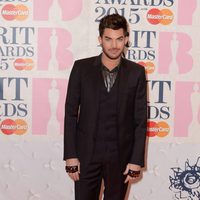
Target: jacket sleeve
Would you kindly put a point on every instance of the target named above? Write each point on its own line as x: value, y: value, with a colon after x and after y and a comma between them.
x: 71, y: 113
x: 140, y: 121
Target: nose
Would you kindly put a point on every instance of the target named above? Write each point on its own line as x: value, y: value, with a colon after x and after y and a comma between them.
x: 114, y: 43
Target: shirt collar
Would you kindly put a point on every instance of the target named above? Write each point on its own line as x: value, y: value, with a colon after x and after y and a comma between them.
x: 115, y: 69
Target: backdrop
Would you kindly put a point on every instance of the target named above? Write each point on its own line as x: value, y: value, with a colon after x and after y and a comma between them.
x: 39, y: 41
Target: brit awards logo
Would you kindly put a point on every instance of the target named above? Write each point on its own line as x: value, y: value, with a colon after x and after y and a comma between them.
x: 18, y: 50
x: 52, y: 100
x: 159, y: 110
x: 187, y: 101
x: 57, y: 55
x: 56, y: 10
x: 13, y: 108
x: 55, y: 60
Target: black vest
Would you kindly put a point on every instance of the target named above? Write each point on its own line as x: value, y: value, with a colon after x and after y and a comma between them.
x: 106, y: 135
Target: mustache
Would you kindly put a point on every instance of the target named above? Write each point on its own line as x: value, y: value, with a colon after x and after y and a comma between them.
x: 114, y: 49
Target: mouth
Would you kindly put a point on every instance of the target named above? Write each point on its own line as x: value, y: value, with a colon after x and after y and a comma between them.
x: 114, y: 51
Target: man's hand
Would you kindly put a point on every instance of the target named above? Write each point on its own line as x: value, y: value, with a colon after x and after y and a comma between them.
x: 73, y: 162
x: 131, y: 167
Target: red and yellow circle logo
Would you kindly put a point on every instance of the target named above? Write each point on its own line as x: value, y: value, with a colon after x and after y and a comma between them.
x: 160, y: 129
x: 18, y: 127
x: 149, y: 66
x: 15, y: 12
x: 23, y: 64
x: 156, y: 16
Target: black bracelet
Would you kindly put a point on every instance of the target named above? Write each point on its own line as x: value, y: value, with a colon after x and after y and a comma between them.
x: 133, y: 174
x: 71, y: 169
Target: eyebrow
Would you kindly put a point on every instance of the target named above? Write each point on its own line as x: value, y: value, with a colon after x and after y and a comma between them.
x: 112, y: 38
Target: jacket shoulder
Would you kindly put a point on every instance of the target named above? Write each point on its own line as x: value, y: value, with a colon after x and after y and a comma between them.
x: 86, y: 65
x: 87, y: 61
x: 133, y: 64
x: 135, y: 67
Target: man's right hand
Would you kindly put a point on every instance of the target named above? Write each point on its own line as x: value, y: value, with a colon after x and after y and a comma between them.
x: 73, y: 162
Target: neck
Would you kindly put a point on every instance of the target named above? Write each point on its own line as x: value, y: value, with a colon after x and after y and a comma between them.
x: 110, y: 63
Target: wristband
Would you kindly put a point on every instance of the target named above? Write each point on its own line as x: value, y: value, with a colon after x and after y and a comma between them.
x: 133, y: 174
x: 71, y: 169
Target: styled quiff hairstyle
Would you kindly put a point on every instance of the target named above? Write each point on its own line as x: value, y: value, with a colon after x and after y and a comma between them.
x: 113, y: 21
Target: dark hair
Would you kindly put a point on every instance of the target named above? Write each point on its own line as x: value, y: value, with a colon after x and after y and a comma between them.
x: 113, y: 21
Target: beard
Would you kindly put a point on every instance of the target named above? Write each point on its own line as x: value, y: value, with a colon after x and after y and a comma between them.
x: 113, y: 53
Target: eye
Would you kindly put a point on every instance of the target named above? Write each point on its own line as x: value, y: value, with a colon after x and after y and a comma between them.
x: 107, y: 39
x: 120, y: 39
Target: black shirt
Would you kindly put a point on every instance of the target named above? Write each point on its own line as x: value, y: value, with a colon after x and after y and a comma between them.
x: 109, y: 77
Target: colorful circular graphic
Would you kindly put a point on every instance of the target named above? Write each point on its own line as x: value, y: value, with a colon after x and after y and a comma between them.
x: 23, y: 64
x: 18, y: 127
x: 11, y: 12
x: 156, y: 16
x: 160, y: 129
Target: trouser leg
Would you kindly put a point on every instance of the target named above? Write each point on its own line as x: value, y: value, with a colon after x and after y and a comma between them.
x: 89, y: 185
x: 115, y: 189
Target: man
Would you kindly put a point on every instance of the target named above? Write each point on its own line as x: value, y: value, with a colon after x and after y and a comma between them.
x: 105, y: 117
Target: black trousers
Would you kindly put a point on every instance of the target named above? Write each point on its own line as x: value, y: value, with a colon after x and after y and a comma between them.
x: 105, y: 165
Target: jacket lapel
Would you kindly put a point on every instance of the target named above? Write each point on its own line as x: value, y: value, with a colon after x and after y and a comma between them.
x: 96, y: 75
x: 123, y: 82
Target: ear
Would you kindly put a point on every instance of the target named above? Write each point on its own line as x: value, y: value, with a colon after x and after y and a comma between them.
x: 126, y: 39
x: 100, y: 40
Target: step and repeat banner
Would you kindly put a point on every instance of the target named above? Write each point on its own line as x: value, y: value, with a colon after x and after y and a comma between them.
x: 39, y: 42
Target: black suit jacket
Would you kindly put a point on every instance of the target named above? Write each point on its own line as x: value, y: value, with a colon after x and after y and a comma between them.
x: 81, y: 111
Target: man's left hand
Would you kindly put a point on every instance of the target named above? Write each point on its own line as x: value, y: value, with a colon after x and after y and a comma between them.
x: 131, y: 167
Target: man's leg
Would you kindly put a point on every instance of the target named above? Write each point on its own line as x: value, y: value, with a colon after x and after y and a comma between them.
x: 115, y: 189
x: 89, y: 185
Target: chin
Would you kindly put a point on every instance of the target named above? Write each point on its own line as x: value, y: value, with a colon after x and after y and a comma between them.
x: 114, y: 57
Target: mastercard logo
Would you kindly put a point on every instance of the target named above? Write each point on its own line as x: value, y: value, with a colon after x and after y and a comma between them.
x: 15, y: 12
x: 149, y: 66
x: 23, y: 64
x: 17, y: 127
x: 160, y: 129
x: 156, y: 16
